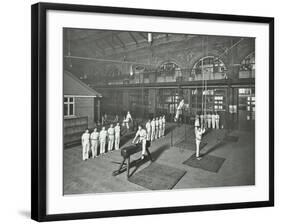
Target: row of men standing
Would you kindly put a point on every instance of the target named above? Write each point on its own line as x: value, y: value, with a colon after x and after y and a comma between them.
x: 155, y: 128
x: 95, y: 139
x: 209, y: 120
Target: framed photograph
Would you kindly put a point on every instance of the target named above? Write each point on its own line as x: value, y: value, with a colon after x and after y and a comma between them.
x: 139, y: 111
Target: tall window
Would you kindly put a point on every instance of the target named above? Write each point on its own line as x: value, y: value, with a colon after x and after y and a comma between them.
x: 68, y: 106
x: 247, y: 67
x: 208, y: 68
x: 169, y: 69
x: 168, y: 72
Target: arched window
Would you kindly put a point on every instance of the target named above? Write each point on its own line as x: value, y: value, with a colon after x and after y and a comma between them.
x: 169, y: 69
x: 168, y: 72
x: 114, y: 76
x: 114, y: 72
x: 247, y: 67
x: 208, y: 68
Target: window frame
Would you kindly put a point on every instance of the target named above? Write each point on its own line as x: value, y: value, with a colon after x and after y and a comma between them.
x: 68, y: 103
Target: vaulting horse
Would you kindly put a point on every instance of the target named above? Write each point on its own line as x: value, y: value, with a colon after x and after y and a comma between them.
x: 126, y: 152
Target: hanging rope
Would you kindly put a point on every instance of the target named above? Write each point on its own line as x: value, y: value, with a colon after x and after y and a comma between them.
x: 202, y: 73
x: 206, y: 79
x: 196, y: 95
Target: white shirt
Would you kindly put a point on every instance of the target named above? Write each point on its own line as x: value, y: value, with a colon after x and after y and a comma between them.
x: 95, y: 136
x: 85, y: 137
x: 156, y: 123
x: 148, y: 126
x: 199, y: 133
x: 152, y: 123
x: 197, y: 122
x: 103, y: 135
x: 110, y: 131
x: 117, y: 130
x: 217, y: 117
x: 128, y: 117
x: 163, y: 120
x: 142, y: 134
x: 160, y: 122
x: 180, y: 106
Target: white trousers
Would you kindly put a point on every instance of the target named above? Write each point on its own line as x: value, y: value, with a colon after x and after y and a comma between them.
x: 127, y: 125
x: 152, y: 134
x: 110, y: 142
x: 197, y: 147
x: 117, y: 141
x: 102, y: 146
x: 213, y: 124
x: 201, y: 122
x: 156, y: 132
x: 85, y: 151
x: 209, y: 123
x: 143, y: 143
x: 94, y: 147
x: 217, y: 124
x: 177, y: 114
x: 160, y: 131
x: 148, y: 135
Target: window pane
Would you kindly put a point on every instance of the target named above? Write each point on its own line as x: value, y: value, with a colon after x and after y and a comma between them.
x: 71, y: 99
x: 65, y: 112
x: 65, y: 99
x: 71, y: 109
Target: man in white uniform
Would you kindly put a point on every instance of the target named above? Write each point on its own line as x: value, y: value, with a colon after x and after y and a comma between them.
x: 128, y: 119
x: 152, y: 123
x: 197, y: 122
x: 116, y: 119
x: 111, y: 135
x: 85, y: 140
x: 141, y: 133
x: 163, y: 125
x: 179, y: 110
x: 117, y: 136
x: 205, y: 120
x: 156, y: 128
x: 94, y: 142
x: 198, y: 137
x: 209, y: 119
x: 148, y: 130
x: 217, y: 118
x: 213, y: 121
x: 160, y: 127
x: 103, y: 135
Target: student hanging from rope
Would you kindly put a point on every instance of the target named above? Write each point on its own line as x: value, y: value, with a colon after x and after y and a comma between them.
x: 180, y: 108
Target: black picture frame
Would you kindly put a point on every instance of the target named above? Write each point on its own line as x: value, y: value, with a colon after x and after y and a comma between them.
x: 38, y: 116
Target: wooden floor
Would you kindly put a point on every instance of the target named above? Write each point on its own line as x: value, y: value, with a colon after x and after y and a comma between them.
x: 95, y: 175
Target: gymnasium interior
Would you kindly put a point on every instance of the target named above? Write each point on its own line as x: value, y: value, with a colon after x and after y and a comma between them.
x: 107, y: 73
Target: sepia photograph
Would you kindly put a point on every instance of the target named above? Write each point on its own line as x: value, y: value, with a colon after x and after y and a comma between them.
x: 149, y: 111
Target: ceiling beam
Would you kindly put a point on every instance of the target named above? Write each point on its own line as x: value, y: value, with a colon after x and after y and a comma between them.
x: 108, y: 43
x: 99, y: 49
x: 133, y: 37
x: 121, y: 42
x: 143, y: 35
